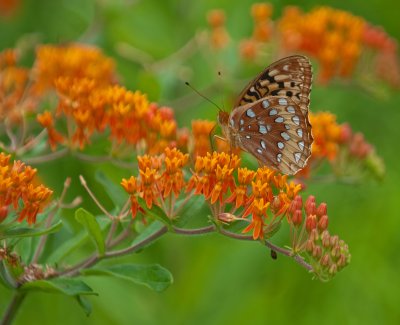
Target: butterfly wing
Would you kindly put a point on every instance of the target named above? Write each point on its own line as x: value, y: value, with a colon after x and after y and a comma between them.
x: 290, y: 77
x: 275, y: 131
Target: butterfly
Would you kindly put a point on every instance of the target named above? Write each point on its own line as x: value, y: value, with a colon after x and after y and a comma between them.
x: 270, y: 117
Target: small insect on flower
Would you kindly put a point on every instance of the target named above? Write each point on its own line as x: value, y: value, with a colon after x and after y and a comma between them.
x: 270, y: 117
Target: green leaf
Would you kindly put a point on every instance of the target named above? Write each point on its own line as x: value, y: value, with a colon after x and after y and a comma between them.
x: 66, y: 286
x: 147, y: 232
x: 193, y: 209
x: 29, y: 232
x: 92, y: 227
x: 85, y: 304
x: 68, y: 246
x: 115, y: 192
x: 6, y: 277
x: 155, y: 212
x: 153, y: 276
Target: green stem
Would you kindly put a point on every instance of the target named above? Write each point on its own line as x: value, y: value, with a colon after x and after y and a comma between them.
x: 13, y: 307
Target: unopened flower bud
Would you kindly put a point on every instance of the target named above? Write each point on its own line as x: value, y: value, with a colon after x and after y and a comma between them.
x: 314, y: 235
x: 310, y: 245
x: 317, y: 251
x: 311, y: 222
x: 333, y: 269
x: 325, y: 260
x: 297, y: 218
x: 326, y: 239
x: 322, y: 209
x: 342, y: 261
x: 334, y: 240
x: 323, y: 223
x: 310, y: 205
x: 227, y: 217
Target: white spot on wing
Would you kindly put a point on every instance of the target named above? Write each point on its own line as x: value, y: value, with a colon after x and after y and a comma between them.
x: 248, y: 137
x: 285, y: 136
x: 281, y: 145
x: 301, y: 145
x: 297, y: 157
x: 259, y: 150
x: 241, y: 122
x: 250, y: 113
x: 273, y: 112
x: 263, y: 144
x: 296, y: 120
x: 262, y: 129
x: 265, y: 103
x: 282, y: 101
x: 290, y: 109
x: 279, y: 157
x: 279, y: 119
x: 300, y: 133
x: 286, y: 67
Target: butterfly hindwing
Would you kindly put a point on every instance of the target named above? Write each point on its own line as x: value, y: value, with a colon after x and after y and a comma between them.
x: 275, y: 131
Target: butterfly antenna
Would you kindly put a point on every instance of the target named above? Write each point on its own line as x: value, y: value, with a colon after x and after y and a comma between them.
x: 223, y: 90
x: 201, y: 95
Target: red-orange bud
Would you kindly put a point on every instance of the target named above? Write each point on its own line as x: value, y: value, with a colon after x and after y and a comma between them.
x: 322, y: 209
x: 297, y: 218
x: 325, y: 260
x: 311, y: 222
x: 310, y: 205
x: 323, y: 223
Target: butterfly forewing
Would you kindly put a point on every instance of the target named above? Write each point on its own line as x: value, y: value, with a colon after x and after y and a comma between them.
x: 275, y: 131
x: 290, y: 76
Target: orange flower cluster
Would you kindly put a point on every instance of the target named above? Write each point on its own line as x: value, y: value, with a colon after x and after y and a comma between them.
x: 17, y: 189
x: 328, y: 254
x: 160, y: 177
x: 336, y: 38
x: 14, y: 97
x: 332, y: 36
x: 261, y: 13
x: 327, y: 135
x: 214, y: 179
x: 73, y: 61
x: 255, y: 193
x: 262, y: 31
x: 219, y: 36
x: 202, y: 133
x: 341, y: 147
x: 90, y: 102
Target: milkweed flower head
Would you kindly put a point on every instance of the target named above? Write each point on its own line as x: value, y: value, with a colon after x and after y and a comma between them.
x: 19, y: 193
x: 328, y: 254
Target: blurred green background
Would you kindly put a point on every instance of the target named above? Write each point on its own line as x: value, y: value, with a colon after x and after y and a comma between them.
x: 219, y: 280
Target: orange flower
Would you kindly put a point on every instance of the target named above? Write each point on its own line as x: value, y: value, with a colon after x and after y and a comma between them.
x: 239, y: 195
x: 258, y: 209
x: 17, y: 183
x: 172, y: 178
x: 201, y: 130
x: 219, y: 35
x: 327, y: 135
x: 74, y: 61
x: 333, y: 36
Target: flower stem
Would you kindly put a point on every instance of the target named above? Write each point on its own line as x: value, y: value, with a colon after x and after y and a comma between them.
x: 94, y: 259
x: 13, y: 307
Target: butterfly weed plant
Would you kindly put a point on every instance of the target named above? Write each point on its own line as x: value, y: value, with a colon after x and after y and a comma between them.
x: 70, y: 99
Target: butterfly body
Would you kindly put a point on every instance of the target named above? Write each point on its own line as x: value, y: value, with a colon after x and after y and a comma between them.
x: 270, y: 119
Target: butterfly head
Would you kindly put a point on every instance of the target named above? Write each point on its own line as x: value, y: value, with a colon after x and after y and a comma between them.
x: 223, y: 118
